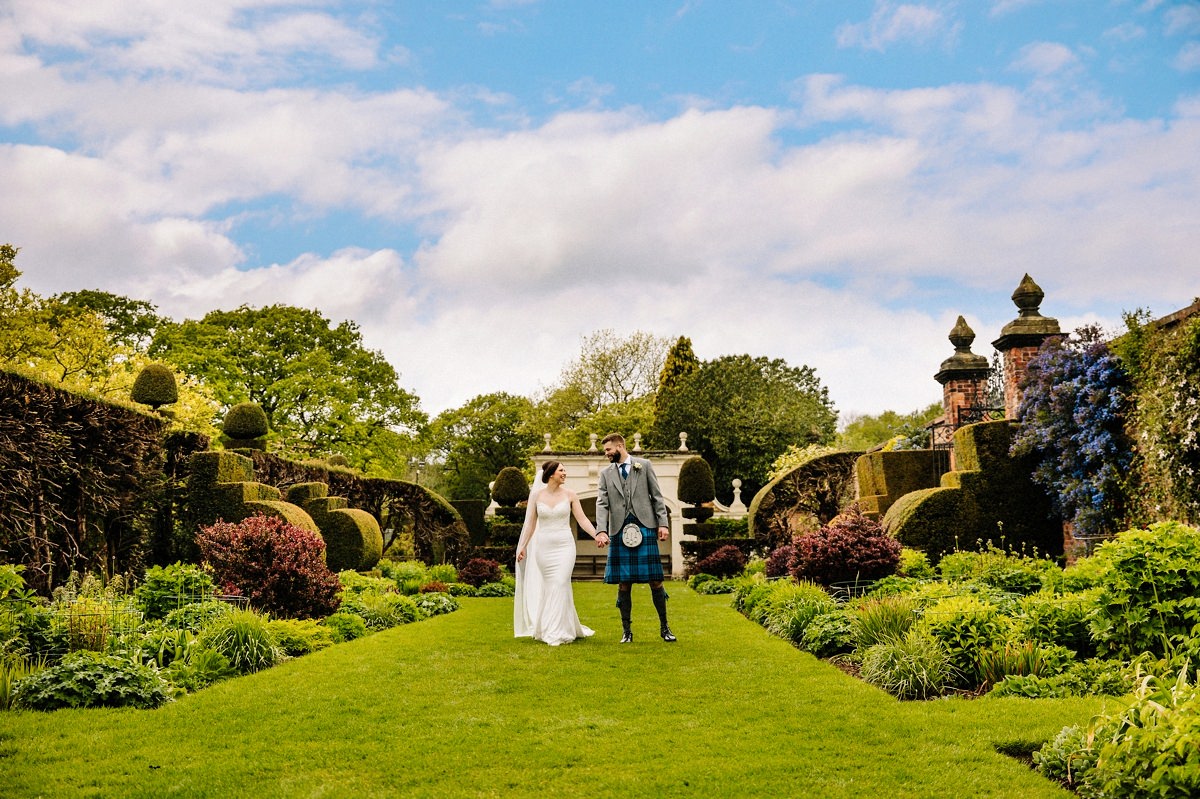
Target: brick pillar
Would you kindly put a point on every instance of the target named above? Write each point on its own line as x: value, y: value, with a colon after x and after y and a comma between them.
x: 1020, y: 340
x: 964, y: 375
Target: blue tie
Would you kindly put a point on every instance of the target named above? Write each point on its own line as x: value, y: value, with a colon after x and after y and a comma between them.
x: 624, y: 471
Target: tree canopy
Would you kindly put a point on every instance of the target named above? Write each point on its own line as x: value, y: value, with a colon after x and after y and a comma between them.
x: 475, y: 441
x: 742, y: 412
x: 903, y: 430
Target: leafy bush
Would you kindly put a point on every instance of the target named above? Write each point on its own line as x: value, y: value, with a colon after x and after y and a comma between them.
x: 1148, y: 749
x: 965, y: 626
x: 353, y: 582
x: 1149, y: 600
x: 914, y: 563
x: 401, y: 571
x: 279, y: 567
x: 478, y: 571
x: 245, y: 421
x: 779, y: 562
x: 245, y: 639
x: 728, y: 561
x: 163, y: 645
x: 1085, y: 573
x: 345, y: 626
x: 851, y: 547
x: 199, y: 668
x: 12, y: 669
x: 461, y: 589
x: 999, y: 568
x: 91, y: 679
x: 166, y: 588
x: 789, y: 607
x: 298, y: 637
x: 1072, y: 420
x: 715, y: 586
x: 829, y: 633
x: 914, y: 666
x: 1094, y: 677
x: 500, y: 589
x: 430, y: 604
x: 433, y: 587
x: 196, y: 617
x: 696, y: 482
x: 1023, y: 658
x: 884, y: 619
x: 1050, y: 619
x: 443, y: 573
x: 381, y: 611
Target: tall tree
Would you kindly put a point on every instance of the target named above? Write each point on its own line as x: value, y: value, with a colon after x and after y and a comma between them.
x: 905, y: 431
x: 681, y: 362
x: 474, y: 442
x: 322, y: 390
x: 130, y: 323
x: 22, y: 331
x: 742, y: 412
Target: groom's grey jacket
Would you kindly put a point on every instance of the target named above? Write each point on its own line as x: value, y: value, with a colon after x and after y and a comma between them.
x: 638, y: 495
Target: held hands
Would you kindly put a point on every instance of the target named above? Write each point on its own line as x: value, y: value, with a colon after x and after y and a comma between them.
x: 601, y: 544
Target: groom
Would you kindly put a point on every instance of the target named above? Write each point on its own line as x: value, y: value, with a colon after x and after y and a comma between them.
x: 630, y: 504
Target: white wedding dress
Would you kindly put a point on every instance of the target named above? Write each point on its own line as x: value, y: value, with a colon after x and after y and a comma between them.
x: 544, y: 606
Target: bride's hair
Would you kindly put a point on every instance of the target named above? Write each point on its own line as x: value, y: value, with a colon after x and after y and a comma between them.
x: 548, y: 469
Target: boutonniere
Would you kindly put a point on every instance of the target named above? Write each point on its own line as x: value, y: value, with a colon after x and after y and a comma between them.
x: 637, y: 467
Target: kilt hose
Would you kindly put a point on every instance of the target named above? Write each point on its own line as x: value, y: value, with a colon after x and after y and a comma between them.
x: 640, y: 564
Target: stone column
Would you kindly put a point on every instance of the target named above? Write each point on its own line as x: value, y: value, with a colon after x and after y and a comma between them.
x: 1020, y: 340
x: 964, y: 375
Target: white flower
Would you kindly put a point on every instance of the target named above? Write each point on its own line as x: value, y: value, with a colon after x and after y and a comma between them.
x: 637, y: 467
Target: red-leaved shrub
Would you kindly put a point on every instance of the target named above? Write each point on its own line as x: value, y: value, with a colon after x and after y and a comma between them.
x: 727, y: 561
x: 479, y: 571
x: 779, y: 562
x: 279, y: 567
x: 434, y: 587
x: 851, y: 547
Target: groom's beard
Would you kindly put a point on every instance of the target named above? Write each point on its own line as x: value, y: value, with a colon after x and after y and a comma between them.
x: 615, y: 457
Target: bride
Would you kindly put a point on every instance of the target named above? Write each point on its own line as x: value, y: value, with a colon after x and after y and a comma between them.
x: 544, y: 605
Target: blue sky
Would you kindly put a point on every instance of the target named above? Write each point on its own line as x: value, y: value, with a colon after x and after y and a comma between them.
x: 480, y: 184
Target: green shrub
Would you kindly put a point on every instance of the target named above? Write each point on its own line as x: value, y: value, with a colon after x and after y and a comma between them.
x: 298, y: 637
x: 381, y: 611
x: 461, y: 589
x: 154, y: 386
x: 245, y: 421
x: 789, y: 607
x: 829, y: 633
x: 197, y: 616
x: 14, y: 668
x: 435, y: 604
x: 166, y: 588
x: 715, y: 586
x: 915, y: 564
x: 1021, y: 658
x: 91, y: 679
x: 443, y: 573
x: 1148, y: 749
x: 748, y: 592
x: 1085, y: 573
x: 965, y: 626
x: 1149, y: 594
x: 356, y: 583
x: 345, y: 626
x: 1094, y: 677
x: 198, y: 669
x: 875, y: 621
x: 999, y: 568
x: 499, y: 589
x: 510, y: 487
x: 163, y: 645
x: 245, y: 638
x: 696, y: 485
x: 1056, y: 619
x: 914, y: 666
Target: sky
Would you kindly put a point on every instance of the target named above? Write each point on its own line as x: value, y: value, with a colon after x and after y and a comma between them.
x: 479, y: 185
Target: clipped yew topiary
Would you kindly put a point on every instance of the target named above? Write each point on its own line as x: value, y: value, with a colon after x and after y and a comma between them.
x: 338, y: 460
x: 155, y: 386
x: 245, y: 427
x: 696, y: 487
x: 510, y: 487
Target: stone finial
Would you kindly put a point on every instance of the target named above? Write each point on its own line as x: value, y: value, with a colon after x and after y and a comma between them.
x: 963, y: 363
x: 637, y: 442
x: 547, y: 437
x: 1030, y: 328
x: 592, y: 442
x: 737, y: 506
x: 1028, y: 296
x: 683, y: 442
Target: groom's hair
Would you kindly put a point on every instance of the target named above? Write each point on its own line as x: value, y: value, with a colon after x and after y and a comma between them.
x: 615, y: 438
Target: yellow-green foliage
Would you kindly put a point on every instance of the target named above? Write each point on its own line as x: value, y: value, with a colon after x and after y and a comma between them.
x: 990, y: 496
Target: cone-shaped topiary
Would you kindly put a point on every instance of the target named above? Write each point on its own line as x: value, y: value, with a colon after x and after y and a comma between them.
x: 155, y: 386
x: 696, y: 482
x: 245, y: 421
x: 510, y: 487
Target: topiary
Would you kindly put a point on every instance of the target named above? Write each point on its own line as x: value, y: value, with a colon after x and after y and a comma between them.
x: 851, y: 547
x: 155, y: 386
x: 725, y: 562
x: 245, y: 427
x: 338, y: 460
x: 696, y: 486
x: 279, y: 567
x: 510, y: 487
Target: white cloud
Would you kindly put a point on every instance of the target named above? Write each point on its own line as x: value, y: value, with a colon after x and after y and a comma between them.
x: 1188, y: 58
x: 1182, y: 20
x: 891, y: 23
x: 1045, y: 58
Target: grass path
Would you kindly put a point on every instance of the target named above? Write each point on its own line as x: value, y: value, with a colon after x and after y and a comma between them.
x: 454, y: 706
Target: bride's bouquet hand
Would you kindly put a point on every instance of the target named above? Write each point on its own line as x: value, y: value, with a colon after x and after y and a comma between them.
x: 521, y: 556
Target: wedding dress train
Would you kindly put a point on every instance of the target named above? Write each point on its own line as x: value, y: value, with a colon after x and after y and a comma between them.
x: 544, y: 606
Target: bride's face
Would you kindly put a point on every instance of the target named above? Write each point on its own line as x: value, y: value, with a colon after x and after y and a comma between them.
x: 560, y: 475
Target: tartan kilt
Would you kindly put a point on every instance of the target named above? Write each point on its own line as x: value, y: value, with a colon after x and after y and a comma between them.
x: 640, y: 564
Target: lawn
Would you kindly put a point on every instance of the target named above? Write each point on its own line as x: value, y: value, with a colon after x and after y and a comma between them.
x: 454, y: 706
